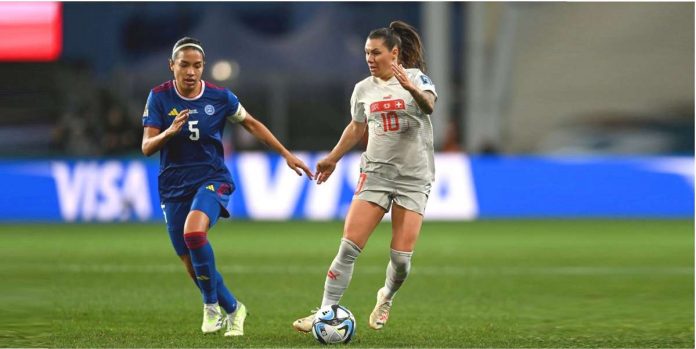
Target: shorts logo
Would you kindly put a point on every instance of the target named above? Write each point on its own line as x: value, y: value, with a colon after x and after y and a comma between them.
x: 209, y: 109
x: 361, y: 182
x: 210, y: 187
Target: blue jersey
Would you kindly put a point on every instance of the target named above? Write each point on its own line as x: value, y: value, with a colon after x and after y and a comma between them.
x: 195, y: 154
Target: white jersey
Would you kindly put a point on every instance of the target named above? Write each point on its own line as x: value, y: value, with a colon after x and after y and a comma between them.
x: 400, y: 143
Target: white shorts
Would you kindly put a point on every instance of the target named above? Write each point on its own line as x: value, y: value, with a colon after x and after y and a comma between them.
x: 383, y: 192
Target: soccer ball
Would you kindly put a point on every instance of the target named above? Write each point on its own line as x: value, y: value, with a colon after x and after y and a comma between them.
x: 333, y: 324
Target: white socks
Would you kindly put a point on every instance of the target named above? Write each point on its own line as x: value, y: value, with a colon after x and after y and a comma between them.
x: 340, y: 272
x: 397, y: 271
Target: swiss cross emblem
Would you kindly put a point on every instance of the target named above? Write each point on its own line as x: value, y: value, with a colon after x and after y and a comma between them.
x: 394, y: 104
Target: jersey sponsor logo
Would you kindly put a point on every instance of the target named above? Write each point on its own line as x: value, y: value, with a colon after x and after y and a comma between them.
x: 394, y: 104
x: 426, y: 80
x: 209, y: 109
x: 174, y: 112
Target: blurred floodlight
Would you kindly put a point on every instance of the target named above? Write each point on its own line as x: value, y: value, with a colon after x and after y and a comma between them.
x: 224, y: 70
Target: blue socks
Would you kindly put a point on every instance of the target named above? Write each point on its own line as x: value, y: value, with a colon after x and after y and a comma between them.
x: 225, y: 297
x: 203, y: 262
x: 209, y: 280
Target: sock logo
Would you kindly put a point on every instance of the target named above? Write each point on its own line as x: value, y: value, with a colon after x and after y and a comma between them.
x: 331, y: 275
x: 202, y: 278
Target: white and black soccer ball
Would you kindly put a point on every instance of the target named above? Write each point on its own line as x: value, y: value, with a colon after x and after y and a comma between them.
x: 333, y: 324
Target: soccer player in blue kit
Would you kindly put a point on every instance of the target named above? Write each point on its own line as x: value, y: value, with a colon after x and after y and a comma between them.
x: 184, y: 119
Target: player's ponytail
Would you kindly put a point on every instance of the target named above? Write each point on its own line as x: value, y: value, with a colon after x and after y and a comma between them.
x: 406, y: 38
x: 411, y: 50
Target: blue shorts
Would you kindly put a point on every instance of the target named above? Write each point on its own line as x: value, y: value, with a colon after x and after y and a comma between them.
x: 211, y: 198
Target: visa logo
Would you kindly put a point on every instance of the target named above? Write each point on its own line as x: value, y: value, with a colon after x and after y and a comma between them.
x: 102, y: 191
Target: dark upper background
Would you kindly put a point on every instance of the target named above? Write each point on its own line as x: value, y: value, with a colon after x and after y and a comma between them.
x: 517, y: 78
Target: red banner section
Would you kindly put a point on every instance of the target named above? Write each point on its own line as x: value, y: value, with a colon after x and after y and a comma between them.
x: 394, y: 104
x: 30, y: 31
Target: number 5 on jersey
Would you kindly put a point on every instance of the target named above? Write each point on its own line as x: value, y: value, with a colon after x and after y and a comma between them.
x: 195, y: 133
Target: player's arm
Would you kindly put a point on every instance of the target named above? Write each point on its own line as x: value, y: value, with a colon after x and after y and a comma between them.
x: 263, y: 134
x: 424, y: 99
x: 350, y: 137
x: 154, y: 139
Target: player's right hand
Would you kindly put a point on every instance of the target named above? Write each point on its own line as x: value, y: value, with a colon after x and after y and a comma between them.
x: 325, y: 168
x: 296, y: 165
x: 178, y: 122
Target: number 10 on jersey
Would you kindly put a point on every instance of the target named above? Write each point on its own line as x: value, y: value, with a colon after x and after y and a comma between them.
x: 390, y: 121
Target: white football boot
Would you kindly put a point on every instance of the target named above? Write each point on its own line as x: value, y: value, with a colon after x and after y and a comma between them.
x: 380, y: 314
x: 213, y: 319
x: 305, y: 324
x: 235, y: 321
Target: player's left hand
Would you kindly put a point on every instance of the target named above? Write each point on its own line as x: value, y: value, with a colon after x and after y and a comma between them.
x: 402, y: 77
x: 296, y: 165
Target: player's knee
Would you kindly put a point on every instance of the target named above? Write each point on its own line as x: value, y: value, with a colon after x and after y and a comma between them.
x: 196, y: 221
x: 195, y: 240
x: 348, y: 251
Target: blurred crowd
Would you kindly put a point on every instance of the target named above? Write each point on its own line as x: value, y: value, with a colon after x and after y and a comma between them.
x: 94, y: 120
x: 101, y: 126
x: 90, y: 101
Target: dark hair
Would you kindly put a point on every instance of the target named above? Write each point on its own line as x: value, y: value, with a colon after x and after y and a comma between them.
x: 406, y: 38
x: 184, y: 41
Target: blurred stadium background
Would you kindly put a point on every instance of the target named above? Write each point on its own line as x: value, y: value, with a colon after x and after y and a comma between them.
x: 559, y: 121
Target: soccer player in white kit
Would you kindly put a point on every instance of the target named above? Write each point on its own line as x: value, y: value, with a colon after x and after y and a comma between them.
x: 396, y: 171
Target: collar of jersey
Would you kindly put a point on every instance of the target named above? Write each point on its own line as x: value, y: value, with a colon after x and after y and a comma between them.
x: 186, y: 98
x: 381, y: 82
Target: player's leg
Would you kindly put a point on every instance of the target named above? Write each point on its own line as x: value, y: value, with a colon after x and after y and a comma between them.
x: 175, y: 216
x: 362, y: 219
x: 207, y: 207
x: 236, y: 311
x: 363, y: 216
x: 186, y: 259
x: 406, y: 225
x: 203, y: 262
x: 225, y: 298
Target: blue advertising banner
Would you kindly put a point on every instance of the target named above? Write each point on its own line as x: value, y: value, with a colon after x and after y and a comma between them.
x: 466, y: 188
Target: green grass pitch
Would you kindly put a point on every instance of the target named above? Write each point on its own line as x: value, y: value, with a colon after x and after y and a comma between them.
x: 512, y: 284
